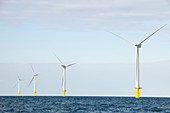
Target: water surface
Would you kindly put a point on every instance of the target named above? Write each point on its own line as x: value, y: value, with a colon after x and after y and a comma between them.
x: 53, y: 104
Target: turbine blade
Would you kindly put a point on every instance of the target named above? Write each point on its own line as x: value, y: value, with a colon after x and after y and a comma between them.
x: 122, y: 38
x: 70, y: 64
x: 31, y: 81
x: 152, y: 34
x: 32, y: 70
x: 58, y: 59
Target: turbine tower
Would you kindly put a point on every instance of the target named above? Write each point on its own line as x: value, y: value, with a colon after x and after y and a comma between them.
x: 19, y: 80
x: 64, y: 67
x: 138, y: 46
x: 33, y: 78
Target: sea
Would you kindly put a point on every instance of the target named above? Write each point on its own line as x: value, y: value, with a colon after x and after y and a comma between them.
x: 78, y: 104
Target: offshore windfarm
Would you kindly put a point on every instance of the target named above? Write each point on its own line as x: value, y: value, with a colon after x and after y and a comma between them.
x: 65, y: 66
x: 84, y: 56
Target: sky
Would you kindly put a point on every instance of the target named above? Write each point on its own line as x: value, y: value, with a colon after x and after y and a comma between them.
x: 77, y: 31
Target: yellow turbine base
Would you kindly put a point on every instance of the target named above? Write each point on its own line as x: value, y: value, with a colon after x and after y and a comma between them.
x: 64, y: 93
x: 137, y: 93
x: 35, y: 94
x: 18, y: 93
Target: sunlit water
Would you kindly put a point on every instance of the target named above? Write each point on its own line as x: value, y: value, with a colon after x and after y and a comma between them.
x: 54, y: 104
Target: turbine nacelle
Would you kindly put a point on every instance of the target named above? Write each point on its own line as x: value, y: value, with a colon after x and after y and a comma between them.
x: 63, y: 66
x: 35, y: 75
x: 138, y: 45
x: 20, y: 79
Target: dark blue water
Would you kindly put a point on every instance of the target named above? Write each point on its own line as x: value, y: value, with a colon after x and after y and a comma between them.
x: 53, y: 104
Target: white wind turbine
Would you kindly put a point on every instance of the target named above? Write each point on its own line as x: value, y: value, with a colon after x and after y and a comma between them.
x: 19, y: 80
x: 33, y: 78
x: 138, y: 45
x: 64, y: 75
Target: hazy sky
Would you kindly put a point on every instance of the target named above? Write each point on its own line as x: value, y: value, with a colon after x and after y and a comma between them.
x: 76, y: 30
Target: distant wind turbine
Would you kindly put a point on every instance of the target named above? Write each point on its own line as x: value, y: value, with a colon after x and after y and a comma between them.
x: 64, y: 75
x: 33, y: 78
x: 19, y: 80
x: 138, y: 45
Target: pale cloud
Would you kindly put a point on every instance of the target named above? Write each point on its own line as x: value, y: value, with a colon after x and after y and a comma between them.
x: 86, y: 12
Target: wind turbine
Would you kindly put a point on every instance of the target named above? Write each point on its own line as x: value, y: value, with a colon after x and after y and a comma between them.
x: 138, y: 46
x: 19, y: 80
x: 33, y: 78
x: 64, y: 67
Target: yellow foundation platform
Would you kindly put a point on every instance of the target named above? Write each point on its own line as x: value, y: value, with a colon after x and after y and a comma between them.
x: 18, y: 93
x: 64, y: 93
x: 35, y: 94
x: 137, y: 92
